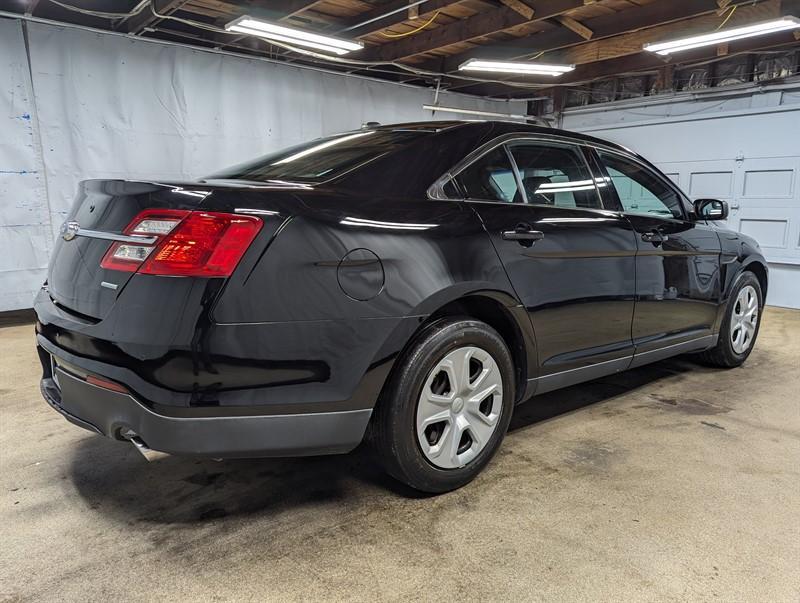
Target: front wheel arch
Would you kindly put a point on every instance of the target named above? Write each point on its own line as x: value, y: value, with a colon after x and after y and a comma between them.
x: 760, y: 270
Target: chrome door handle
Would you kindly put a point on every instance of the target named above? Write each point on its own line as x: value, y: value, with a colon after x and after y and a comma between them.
x: 523, y: 234
x: 655, y: 237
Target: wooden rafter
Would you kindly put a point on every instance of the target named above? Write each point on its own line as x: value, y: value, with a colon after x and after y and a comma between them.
x: 284, y: 9
x: 650, y: 62
x: 603, y: 45
x: 388, y: 14
x: 521, y: 7
x: 576, y: 26
x: 476, y: 26
x: 605, y: 26
x: 632, y: 43
x: 644, y: 63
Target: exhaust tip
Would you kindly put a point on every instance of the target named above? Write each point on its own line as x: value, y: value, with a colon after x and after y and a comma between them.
x: 138, y: 443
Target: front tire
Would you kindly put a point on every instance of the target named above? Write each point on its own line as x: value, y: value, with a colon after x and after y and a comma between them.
x: 447, y: 407
x: 739, y: 329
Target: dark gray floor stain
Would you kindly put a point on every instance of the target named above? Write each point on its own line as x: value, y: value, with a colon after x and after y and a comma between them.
x: 689, y: 406
x: 714, y: 425
x: 592, y: 457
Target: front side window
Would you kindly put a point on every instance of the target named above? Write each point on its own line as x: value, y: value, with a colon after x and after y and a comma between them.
x: 490, y: 178
x: 639, y: 190
x: 556, y: 175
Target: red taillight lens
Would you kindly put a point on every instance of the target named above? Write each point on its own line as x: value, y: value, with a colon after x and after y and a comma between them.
x: 187, y: 243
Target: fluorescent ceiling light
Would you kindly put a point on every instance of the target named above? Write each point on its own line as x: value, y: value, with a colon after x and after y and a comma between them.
x: 476, y: 112
x: 724, y: 35
x: 523, y: 68
x: 290, y: 35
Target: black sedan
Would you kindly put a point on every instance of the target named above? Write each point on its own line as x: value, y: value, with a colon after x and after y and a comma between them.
x: 404, y: 284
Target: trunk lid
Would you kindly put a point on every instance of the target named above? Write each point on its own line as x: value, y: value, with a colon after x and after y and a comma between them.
x: 76, y: 281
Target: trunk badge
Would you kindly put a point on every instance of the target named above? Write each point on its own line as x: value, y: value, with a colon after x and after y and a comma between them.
x: 69, y: 230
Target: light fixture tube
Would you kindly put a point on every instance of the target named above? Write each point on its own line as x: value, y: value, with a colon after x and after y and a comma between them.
x: 290, y: 35
x: 724, y: 35
x: 515, y: 67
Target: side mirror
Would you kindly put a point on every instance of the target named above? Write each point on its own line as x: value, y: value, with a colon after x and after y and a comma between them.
x: 711, y: 209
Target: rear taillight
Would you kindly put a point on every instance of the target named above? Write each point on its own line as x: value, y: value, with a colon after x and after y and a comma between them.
x: 187, y: 243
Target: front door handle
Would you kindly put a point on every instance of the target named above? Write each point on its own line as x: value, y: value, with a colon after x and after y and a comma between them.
x: 654, y: 236
x: 523, y: 234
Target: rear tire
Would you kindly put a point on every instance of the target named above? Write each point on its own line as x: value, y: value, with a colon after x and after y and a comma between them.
x: 739, y: 329
x: 447, y: 407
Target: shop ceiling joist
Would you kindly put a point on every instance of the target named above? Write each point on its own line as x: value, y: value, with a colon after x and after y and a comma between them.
x: 603, y: 38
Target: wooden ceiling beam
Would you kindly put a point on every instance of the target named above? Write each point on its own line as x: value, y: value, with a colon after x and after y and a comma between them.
x: 379, y: 18
x: 602, y: 27
x: 632, y: 65
x: 649, y: 62
x: 275, y: 10
x: 477, y: 26
x: 632, y: 43
x: 521, y: 7
x: 285, y: 9
x: 576, y: 26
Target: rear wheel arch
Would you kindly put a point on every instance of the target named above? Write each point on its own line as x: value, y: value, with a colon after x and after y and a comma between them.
x: 495, y: 308
x: 497, y: 315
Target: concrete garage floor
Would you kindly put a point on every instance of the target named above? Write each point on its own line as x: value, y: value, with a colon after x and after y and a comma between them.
x: 672, y: 482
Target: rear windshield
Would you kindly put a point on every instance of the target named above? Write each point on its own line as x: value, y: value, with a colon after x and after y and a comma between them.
x: 322, y: 159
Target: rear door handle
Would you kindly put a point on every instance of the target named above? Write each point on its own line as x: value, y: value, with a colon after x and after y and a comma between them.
x: 654, y: 236
x: 522, y: 235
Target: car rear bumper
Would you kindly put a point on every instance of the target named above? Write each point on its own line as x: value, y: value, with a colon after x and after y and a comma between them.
x: 119, y: 416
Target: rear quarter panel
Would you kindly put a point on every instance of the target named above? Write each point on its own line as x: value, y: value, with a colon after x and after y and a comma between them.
x: 430, y: 252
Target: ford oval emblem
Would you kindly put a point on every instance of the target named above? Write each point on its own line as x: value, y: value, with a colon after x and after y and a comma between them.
x: 69, y: 230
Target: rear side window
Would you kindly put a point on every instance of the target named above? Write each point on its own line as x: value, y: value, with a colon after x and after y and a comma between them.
x: 555, y: 175
x: 490, y: 178
x: 639, y: 190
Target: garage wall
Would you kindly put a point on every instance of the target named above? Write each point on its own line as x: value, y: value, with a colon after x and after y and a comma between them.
x: 81, y: 104
x: 742, y: 146
x: 25, y: 233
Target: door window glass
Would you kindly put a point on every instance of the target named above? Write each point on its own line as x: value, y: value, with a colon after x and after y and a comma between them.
x: 450, y: 190
x: 490, y: 178
x: 555, y: 175
x: 640, y: 191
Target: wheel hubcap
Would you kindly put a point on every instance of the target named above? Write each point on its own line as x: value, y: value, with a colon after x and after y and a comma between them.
x: 744, y: 319
x: 459, y: 407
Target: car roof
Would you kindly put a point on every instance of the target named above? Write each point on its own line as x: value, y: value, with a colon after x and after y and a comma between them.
x: 412, y: 168
x: 498, y: 128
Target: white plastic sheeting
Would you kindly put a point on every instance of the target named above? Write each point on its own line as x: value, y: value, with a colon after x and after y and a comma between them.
x: 108, y: 106
x: 25, y: 234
